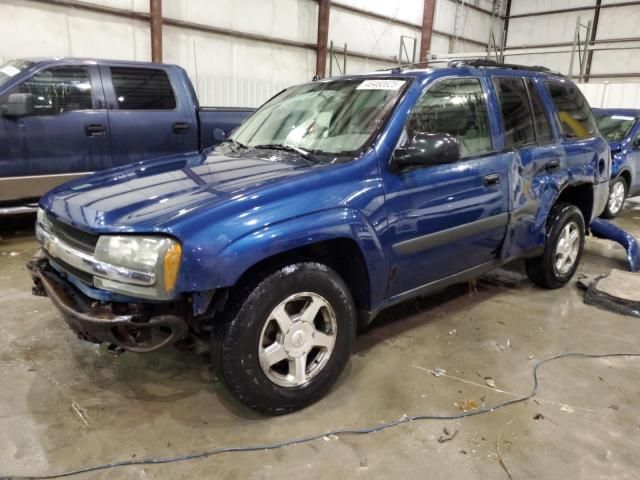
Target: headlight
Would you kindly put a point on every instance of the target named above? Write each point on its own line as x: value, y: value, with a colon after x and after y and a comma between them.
x: 158, y: 255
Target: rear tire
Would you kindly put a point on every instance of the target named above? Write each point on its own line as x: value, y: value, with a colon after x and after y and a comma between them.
x: 617, y: 195
x: 286, y: 338
x: 563, y: 248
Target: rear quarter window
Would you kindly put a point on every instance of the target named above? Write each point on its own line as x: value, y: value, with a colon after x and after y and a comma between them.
x: 574, y: 113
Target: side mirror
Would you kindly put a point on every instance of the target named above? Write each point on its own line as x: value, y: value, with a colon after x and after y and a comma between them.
x: 426, y: 149
x: 18, y: 105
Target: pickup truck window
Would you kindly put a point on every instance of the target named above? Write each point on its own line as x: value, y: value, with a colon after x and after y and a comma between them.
x: 142, y: 89
x: 456, y: 107
x: 541, y: 120
x: 337, y: 117
x: 574, y: 112
x: 517, y: 116
x: 13, y: 68
x: 615, y: 127
x: 58, y: 90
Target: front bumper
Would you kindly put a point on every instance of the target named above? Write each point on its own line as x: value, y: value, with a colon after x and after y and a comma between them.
x: 132, y: 327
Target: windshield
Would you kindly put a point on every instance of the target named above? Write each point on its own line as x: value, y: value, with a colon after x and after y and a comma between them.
x: 336, y: 117
x: 614, y: 127
x: 12, y: 68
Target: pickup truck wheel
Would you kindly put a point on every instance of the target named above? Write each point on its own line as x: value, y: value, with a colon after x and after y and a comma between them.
x: 286, y: 338
x: 617, y: 196
x: 563, y: 248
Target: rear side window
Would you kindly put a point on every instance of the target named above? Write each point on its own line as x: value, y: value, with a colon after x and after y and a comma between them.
x: 574, y: 112
x: 516, y: 112
x: 456, y: 107
x: 541, y: 120
x: 142, y: 89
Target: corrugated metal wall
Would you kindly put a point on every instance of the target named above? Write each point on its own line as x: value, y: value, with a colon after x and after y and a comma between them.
x: 612, y: 95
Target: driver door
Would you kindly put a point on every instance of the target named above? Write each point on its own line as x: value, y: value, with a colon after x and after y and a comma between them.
x: 66, y: 135
x: 448, y: 218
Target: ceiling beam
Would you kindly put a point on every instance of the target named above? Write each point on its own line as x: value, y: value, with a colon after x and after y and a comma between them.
x: 575, y: 9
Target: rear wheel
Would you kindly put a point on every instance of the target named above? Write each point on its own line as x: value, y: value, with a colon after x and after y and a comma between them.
x: 617, y: 196
x: 287, y: 338
x: 563, y: 248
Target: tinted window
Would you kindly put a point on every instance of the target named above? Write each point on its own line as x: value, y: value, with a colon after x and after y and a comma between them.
x: 456, y: 107
x: 574, y: 112
x: 142, y: 89
x: 58, y: 90
x: 516, y: 112
x: 543, y: 129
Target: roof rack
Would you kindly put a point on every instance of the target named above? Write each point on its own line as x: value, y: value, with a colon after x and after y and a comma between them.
x: 474, y: 63
x: 483, y: 62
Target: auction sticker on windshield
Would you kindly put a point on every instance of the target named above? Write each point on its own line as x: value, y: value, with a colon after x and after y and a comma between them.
x: 10, y: 70
x: 381, y: 84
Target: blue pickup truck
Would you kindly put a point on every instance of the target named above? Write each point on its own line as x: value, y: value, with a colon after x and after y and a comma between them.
x: 61, y: 118
x: 334, y: 200
x: 621, y: 128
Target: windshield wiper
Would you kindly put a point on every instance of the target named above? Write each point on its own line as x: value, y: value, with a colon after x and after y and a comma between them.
x: 287, y: 148
x: 236, y: 146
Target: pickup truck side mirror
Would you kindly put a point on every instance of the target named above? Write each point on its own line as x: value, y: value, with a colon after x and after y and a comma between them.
x: 426, y: 149
x: 18, y: 105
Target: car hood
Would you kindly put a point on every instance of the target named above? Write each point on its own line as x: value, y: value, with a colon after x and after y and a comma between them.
x: 150, y: 195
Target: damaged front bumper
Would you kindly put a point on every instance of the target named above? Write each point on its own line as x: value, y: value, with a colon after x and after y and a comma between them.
x: 133, y: 327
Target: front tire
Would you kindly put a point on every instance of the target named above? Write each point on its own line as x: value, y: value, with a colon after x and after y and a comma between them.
x: 563, y: 248
x: 286, y: 338
x: 617, y: 196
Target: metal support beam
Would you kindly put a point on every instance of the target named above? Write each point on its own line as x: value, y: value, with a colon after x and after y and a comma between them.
x: 155, y: 22
x: 576, y: 9
x: 324, y: 8
x: 427, y: 28
x: 594, y: 33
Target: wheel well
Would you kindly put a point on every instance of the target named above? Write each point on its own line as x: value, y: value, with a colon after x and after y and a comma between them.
x: 342, y: 255
x: 626, y: 174
x: 581, y: 196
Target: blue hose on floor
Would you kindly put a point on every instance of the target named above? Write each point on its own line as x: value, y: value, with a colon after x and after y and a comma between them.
x: 603, y: 229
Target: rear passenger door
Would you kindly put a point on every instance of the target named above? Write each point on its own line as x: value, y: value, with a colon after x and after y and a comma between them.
x: 538, y: 159
x: 146, y: 117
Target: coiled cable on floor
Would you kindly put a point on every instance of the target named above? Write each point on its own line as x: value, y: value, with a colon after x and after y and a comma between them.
x: 311, y: 438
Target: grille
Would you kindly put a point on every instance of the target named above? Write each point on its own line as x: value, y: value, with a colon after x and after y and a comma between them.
x: 72, y: 236
x: 83, y: 276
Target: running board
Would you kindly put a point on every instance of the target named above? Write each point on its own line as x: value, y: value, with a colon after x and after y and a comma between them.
x: 19, y: 209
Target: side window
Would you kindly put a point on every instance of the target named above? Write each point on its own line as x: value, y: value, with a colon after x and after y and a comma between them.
x: 516, y: 112
x: 142, y: 89
x: 58, y: 90
x: 574, y: 112
x: 456, y: 107
x: 543, y: 129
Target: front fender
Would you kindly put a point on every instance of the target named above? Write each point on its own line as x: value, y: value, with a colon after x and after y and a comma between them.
x: 339, y: 223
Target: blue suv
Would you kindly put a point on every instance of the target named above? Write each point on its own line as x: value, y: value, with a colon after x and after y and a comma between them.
x: 621, y: 128
x: 334, y: 200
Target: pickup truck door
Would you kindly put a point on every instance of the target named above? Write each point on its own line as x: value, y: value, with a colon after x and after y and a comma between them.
x: 150, y: 112
x: 66, y: 134
x: 445, y: 219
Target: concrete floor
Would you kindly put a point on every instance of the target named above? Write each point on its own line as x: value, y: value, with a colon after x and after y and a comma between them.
x: 65, y: 404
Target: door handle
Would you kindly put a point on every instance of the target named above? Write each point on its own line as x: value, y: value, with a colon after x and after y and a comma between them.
x: 181, y: 127
x: 491, y: 180
x: 552, y: 165
x: 95, y: 130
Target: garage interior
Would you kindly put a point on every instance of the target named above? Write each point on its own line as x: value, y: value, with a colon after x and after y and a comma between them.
x: 68, y: 405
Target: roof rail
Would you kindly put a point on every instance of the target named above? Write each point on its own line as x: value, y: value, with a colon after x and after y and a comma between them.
x: 483, y: 62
